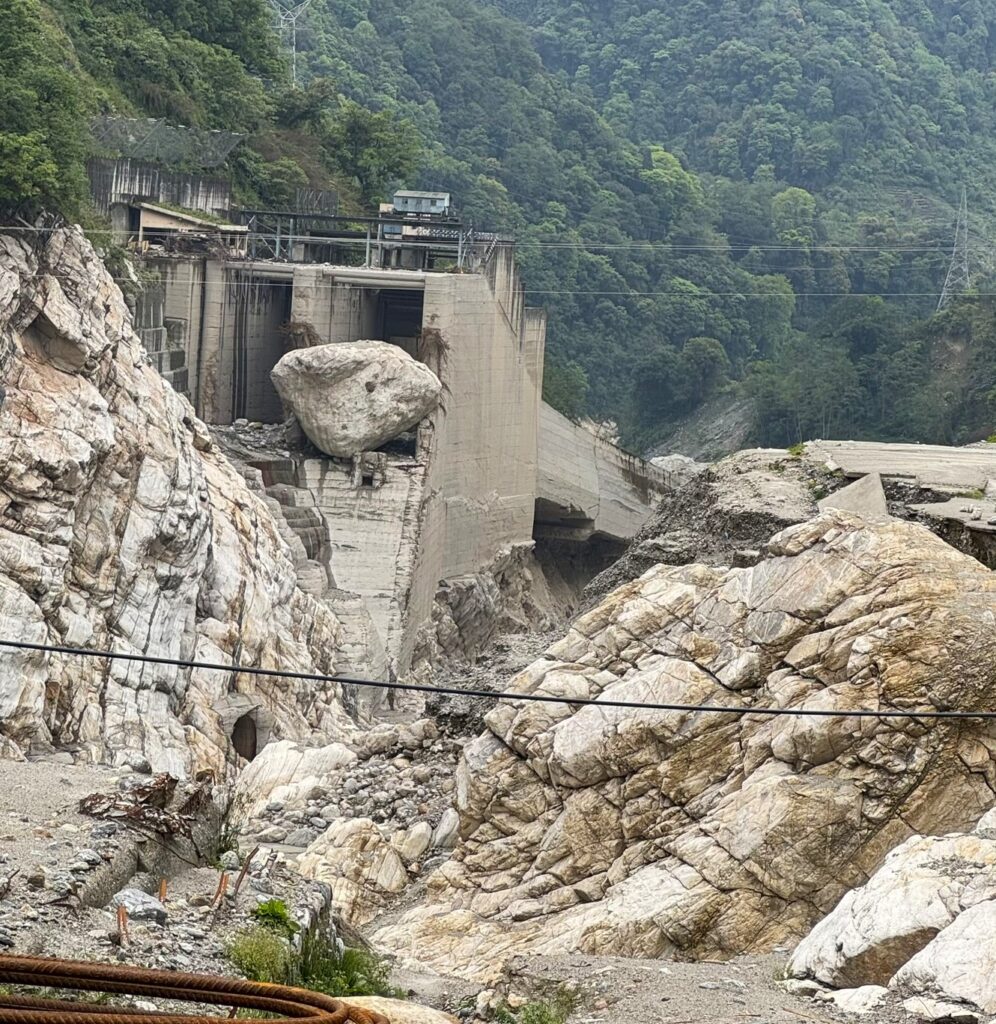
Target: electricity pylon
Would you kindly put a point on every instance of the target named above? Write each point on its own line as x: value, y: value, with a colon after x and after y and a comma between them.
x: 288, y: 15
x: 959, y: 278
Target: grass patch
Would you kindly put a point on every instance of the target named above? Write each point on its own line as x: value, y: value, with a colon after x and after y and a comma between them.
x: 264, y: 953
x: 553, y: 1011
x: 797, y: 450
x: 261, y: 955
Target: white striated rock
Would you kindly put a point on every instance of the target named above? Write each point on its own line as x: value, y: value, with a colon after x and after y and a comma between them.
x: 857, y: 1000
x: 286, y: 771
x: 959, y: 966
x: 937, y: 1010
x: 446, y: 833
x: 120, y: 529
x: 363, y: 868
x: 412, y: 843
x: 353, y: 397
x: 622, y: 831
x: 920, y: 889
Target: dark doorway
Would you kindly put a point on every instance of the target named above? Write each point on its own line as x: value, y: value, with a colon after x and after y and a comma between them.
x: 244, y: 737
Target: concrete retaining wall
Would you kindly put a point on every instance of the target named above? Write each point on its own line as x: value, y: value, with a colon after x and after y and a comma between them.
x: 588, y: 486
x: 123, y: 180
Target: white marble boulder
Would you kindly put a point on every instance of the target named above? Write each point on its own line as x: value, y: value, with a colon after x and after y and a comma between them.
x: 354, y: 397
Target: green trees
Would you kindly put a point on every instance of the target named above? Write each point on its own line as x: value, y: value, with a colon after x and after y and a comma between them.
x: 43, y: 113
x: 706, y: 195
x: 373, y: 148
x: 565, y: 387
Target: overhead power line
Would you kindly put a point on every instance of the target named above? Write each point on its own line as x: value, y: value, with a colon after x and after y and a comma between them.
x: 454, y: 691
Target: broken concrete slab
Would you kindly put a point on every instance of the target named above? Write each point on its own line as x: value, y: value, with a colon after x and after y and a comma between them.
x: 940, y: 466
x: 865, y: 496
x: 975, y: 514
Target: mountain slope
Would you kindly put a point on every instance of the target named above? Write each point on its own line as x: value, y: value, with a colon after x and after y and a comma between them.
x: 741, y: 199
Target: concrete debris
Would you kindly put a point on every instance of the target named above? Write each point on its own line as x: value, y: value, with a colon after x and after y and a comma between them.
x: 865, y: 496
x: 940, y: 467
x: 356, y: 396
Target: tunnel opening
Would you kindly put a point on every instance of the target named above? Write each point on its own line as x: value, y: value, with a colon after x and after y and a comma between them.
x: 569, y: 548
x: 245, y: 738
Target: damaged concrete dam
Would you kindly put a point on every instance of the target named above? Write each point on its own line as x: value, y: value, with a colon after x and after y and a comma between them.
x: 423, y: 516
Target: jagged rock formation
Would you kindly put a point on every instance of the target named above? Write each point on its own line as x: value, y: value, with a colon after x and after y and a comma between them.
x: 923, y: 925
x: 656, y: 833
x: 353, y: 397
x: 121, y: 527
x: 510, y: 595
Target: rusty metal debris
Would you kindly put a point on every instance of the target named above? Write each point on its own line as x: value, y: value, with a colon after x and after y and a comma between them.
x: 145, y: 805
x: 285, y: 1003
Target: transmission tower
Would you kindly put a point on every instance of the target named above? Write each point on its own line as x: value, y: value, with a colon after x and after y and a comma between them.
x: 958, y: 280
x: 287, y: 14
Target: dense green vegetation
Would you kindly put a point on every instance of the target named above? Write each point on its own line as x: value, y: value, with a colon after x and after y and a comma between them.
x: 708, y: 196
x: 737, y: 197
x: 214, y: 66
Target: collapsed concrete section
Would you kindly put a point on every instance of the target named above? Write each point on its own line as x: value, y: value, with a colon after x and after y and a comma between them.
x: 487, y: 473
x: 951, y: 490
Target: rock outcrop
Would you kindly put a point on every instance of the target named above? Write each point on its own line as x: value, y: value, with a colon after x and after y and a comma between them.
x: 122, y: 528
x: 616, y: 830
x: 355, y: 397
x: 923, y: 926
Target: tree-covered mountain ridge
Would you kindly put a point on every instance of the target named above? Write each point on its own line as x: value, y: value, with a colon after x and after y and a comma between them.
x: 711, y: 199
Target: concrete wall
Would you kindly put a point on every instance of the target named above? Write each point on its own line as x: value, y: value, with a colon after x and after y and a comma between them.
x: 481, y: 444
x: 168, y: 318
x: 375, y: 530
x: 122, y: 180
x: 488, y: 464
x: 589, y: 487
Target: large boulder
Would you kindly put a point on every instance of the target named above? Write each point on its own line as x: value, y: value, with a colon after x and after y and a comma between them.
x: 123, y: 527
x: 641, y: 832
x: 354, y: 397
x: 924, y: 925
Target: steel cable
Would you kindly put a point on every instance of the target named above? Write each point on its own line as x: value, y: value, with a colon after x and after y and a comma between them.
x: 505, y: 695
x: 286, y: 1003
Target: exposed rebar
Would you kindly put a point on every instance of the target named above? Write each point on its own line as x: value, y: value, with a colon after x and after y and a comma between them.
x: 288, y: 1004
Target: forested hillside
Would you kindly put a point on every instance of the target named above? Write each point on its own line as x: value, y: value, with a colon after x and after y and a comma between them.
x: 749, y: 197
